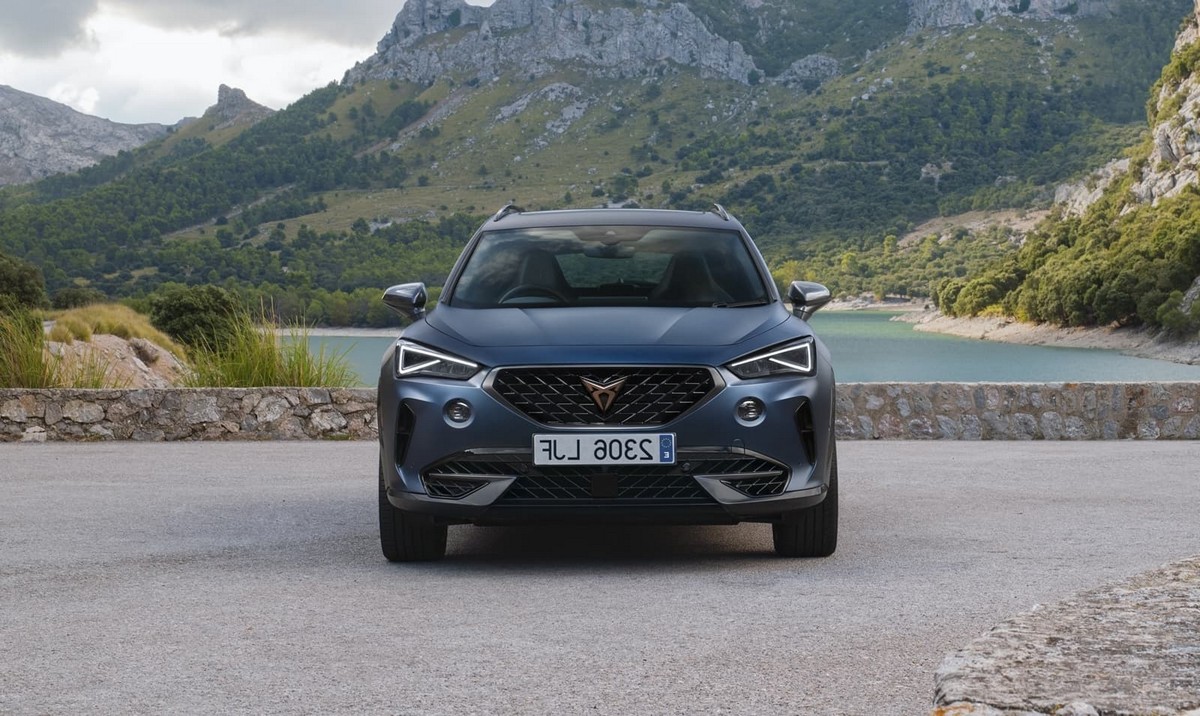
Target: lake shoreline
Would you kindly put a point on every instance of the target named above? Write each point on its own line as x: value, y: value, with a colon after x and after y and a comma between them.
x: 1139, y: 342
x: 342, y: 332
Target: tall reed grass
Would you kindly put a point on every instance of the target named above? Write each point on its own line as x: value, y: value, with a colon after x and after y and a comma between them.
x: 26, y: 363
x: 255, y: 356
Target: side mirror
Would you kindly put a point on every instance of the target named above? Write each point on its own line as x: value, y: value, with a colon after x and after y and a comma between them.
x: 407, y: 299
x: 807, y: 298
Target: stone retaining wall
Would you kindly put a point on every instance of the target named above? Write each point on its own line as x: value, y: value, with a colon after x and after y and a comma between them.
x: 898, y: 411
x: 187, y: 414
x: 1019, y: 411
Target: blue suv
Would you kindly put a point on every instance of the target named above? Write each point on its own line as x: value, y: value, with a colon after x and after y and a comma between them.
x: 611, y: 365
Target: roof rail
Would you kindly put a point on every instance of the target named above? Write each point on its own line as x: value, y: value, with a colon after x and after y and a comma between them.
x: 720, y: 211
x: 506, y: 210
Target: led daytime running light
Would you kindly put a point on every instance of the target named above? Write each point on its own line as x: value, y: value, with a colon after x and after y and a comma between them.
x: 796, y: 358
x: 414, y: 360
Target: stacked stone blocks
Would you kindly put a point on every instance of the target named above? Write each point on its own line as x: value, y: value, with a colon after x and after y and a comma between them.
x: 865, y: 411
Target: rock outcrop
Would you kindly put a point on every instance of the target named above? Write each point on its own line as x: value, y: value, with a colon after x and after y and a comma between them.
x: 1175, y: 157
x: 433, y: 38
x: 1075, y: 198
x: 40, y: 137
x: 809, y: 71
x: 132, y: 363
x: 1127, y: 648
x: 949, y: 13
x: 233, y: 107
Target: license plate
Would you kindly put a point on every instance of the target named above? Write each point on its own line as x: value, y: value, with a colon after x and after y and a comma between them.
x: 604, y: 449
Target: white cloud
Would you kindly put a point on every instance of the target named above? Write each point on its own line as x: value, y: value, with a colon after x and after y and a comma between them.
x: 133, y: 72
x: 161, y: 60
x: 83, y: 99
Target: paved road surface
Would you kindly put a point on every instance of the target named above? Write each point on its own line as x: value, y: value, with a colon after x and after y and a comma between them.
x: 224, y: 578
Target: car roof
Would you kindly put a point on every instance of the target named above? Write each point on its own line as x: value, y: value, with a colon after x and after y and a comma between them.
x: 512, y: 218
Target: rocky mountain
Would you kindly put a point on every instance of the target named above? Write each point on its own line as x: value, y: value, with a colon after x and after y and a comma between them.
x: 1175, y: 156
x: 949, y: 13
x: 737, y: 41
x: 1173, y: 164
x: 609, y: 41
x: 234, y: 108
x: 40, y: 137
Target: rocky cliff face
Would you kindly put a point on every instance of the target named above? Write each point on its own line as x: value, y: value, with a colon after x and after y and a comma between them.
x: 536, y: 35
x: 233, y: 107
x: 40, y: 137
x: 948, y: 13
x: 431, y: 38
x: 1175, y: 158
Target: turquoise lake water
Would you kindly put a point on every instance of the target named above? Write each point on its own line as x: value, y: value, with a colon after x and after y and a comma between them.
x: 868, y: 347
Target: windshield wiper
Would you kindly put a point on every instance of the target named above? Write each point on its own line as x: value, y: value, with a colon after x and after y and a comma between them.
x: 742, y: 304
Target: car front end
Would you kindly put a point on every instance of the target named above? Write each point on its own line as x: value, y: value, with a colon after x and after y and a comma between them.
x: 668, y: 410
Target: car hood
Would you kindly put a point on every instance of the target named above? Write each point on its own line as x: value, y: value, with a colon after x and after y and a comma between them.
x: 605, y: 326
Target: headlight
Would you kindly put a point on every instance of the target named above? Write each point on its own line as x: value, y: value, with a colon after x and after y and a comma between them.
x: 794, y: 359
x: 413, y: 359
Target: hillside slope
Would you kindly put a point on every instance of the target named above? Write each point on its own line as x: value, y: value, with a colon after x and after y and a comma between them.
x: 825, y: 132
x: 1132, y: 257
x: 40, y: 137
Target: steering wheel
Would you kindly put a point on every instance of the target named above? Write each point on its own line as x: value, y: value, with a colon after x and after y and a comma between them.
x: 532, y: 289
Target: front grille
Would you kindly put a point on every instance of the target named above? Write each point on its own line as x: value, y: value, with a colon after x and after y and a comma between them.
x: 614, y: 484
x: 557, y: 396
x: 455, y: 479
x: 449, y: 488
x: 638, y: 484
x: 752, y: 476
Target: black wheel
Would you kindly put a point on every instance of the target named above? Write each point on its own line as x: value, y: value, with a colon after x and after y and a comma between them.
x: 811, y: 532
x: 406, y: 537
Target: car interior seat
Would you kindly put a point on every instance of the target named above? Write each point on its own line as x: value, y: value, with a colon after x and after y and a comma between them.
x: 688, y: 280
x: 540, y: 268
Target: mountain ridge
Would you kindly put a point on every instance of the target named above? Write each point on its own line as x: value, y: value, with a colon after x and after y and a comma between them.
x: 40, y: 137
x: 430, y: 38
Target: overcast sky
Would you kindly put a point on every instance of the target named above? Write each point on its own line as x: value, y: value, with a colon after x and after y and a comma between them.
x: 162, y: 60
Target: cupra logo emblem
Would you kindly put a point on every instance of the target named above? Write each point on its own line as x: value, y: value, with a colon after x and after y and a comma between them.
x: 604, y: 394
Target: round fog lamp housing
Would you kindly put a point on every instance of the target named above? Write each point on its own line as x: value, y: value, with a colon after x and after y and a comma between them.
x: 458, y: 412
x: 750, y: 410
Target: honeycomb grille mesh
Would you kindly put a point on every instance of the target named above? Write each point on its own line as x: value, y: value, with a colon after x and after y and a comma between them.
x: 556, y: 396
x: 632, y: 484
x: 608, y: 484
x: 449, y: 488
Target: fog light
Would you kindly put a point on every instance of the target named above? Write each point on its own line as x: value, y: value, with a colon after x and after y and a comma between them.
x: 750, y: 409
x: 458, y: 411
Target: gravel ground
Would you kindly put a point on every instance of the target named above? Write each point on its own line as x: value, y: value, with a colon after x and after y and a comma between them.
x: 246, y: 578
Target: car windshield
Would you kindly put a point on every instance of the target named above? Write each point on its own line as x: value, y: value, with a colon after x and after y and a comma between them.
x: 609, y: 266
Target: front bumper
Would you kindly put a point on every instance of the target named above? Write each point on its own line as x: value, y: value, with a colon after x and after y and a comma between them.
x: 726, y: 470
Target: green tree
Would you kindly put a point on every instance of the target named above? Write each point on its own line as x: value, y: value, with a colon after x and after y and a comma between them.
x: 197, y: 316
x: 76, y: 296
x: 21, y: 283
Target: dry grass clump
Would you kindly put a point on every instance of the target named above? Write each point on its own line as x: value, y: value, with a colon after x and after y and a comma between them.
x: 113, y: 319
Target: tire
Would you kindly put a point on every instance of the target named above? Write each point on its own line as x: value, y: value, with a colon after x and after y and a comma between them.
x: 408, y: 537
x: 811, y: 532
